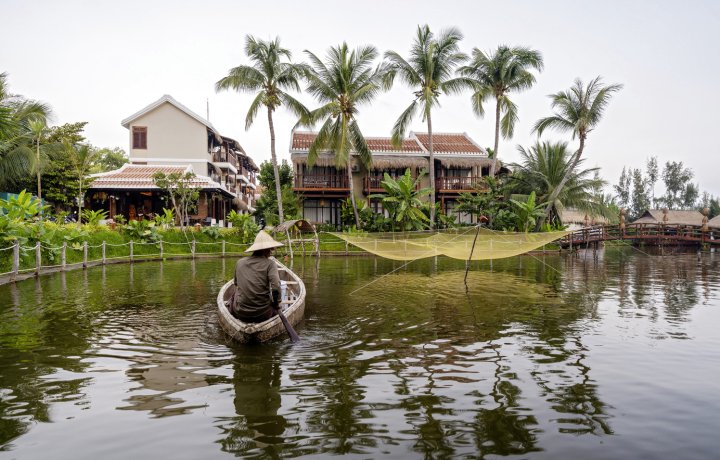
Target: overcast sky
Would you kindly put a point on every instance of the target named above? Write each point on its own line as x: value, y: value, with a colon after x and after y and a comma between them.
x: 101, y: 61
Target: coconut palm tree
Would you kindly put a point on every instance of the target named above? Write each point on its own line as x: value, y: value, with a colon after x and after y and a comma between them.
x: 344, y: 82
x: 578, y: 110
x: 496, y: 74
x: 16, y: 152
x: 542, y: 169
x: 38, y: 131
x: 270, y: 76
x: 429, y: 70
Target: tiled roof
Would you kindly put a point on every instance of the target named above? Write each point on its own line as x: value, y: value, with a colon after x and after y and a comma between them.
x: 449, y: 143
x: 303, y: 140
x: 131, y: 176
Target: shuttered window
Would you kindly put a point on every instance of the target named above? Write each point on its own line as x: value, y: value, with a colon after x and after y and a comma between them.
x: 139, y: 140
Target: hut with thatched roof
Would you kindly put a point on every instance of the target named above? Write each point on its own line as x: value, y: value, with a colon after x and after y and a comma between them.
x: 575, y: 219
x: 670, y: 217
x: 714, y: 223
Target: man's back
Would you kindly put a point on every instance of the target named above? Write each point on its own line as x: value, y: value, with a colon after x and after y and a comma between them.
x: 255, y: 277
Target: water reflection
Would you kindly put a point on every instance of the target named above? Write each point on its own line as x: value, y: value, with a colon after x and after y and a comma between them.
x: 540, y: 356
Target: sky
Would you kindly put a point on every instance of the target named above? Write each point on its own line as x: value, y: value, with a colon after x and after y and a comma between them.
x: 101, y: 61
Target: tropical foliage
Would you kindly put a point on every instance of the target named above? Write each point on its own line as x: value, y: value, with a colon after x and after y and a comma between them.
x: 342, y: 83
x: 403, y: 201
x: 429, y: 71
x: 496, y: 74
x: 181, y: 190
x: 267, y: 205
x: 270, y: 76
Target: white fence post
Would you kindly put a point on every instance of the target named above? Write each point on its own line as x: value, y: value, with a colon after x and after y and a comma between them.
x: 63, y: 256
x: 16, y: 260
x: 161, y: 249
x: 103, y: 253
x: 85, y: 254
x: 192, y: 249
x: 223, y: 248
x: 38, y: 259
x: 131, y: 251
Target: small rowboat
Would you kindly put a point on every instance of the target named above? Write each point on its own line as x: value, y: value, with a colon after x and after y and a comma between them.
x: 292, y: 306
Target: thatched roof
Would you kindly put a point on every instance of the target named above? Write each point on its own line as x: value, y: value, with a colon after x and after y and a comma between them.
x: 323, y: 159
x: 398, y: 161
x: 714, y: 222
x: 656, y: 216
x: 573, y: 216
x: 301, y: 224
x: 464, y: 161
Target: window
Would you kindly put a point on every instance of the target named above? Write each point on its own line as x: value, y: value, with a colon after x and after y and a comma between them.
x: 139, y: 139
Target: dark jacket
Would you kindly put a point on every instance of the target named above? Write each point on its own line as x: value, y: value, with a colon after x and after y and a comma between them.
x: 256, y: 279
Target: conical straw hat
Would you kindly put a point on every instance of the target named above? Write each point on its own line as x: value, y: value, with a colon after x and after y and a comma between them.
x: 263, y: 241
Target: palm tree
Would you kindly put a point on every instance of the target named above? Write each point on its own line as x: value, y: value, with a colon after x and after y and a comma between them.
x: 38, y: 131
x: 342, y: 83
x: 496, y: 74
x: 579, y: 110
x: 429, y: 71
x: 542, y: 170
x: 270, y: 76
x: 16, y: 114
x: 82, y: 159
x: 402, y: 199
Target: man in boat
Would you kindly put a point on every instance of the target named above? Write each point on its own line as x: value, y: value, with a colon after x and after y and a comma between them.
x: 257, y: 282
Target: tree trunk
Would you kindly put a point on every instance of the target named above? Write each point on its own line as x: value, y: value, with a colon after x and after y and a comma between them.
x: 432, y: 173
x: 352, y: 193
x: 39, y: 190
x: 497, y: 137
x: 276, y: 170
x: 558, y: 189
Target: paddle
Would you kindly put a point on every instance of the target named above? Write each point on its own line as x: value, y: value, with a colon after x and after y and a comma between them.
x: 291, y: 332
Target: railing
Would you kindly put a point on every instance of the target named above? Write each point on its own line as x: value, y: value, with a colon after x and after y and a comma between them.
x: 224, y: 157
x: 322, y: 181
x: 374, y: 183
x: 458, y: 184
x: 648, y: 233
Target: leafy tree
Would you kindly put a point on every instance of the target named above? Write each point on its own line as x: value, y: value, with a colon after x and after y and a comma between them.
x: 640, y: 199
x: 495, y: 75
x: 266, y: 175
x: 429, y: 71
x: 622, y: 188
x: 676, y: 178
x: 579, y: 111
x: 714, y: 207
x: 488, y: 200
x: 402, y: 199
x: 17, y: 155
x: 270, y: 76
x: 344, y: 82
x: 652, y: 176
x: 548, y: 166
x: 181, y: 190
x: 109, y: 159
x: 69, y: 132
x: 267, y: 205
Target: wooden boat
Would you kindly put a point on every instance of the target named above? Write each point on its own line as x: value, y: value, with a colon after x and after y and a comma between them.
x: 292, y: 305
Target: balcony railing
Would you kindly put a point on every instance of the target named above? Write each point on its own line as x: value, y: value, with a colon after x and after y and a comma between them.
x: 458, y: 184
x: 373, y: 183
x: 322, y: 181
x: 224, y: 157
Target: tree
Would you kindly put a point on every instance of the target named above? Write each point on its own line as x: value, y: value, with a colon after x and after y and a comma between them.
x: 402, y: 199
x: 429, y: 71
x: 267, y: 205
x: 109, y: 159
x: 640, y: 199
x: 652, y: 173
x: 343, y: 83
x: 269, y: 76
x: 17, y: 155
x: 81, y: 158
x: 181, y: 190
x: 549, y: 169
x: 495, y: 75
x: 622, y: 188
x: 527, y: 212
x: 579, y: 111
x: 676, y: 178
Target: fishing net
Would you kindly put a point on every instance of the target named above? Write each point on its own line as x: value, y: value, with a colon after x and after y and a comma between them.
x: 455, y: 243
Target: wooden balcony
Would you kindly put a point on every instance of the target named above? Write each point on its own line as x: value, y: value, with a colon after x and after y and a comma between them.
x: 316, y: 182
x: 373, y: 184
x: 449, y: 184
x: 225, y: 157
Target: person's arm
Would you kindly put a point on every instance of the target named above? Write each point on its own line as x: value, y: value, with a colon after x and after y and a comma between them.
x: 274, y: 277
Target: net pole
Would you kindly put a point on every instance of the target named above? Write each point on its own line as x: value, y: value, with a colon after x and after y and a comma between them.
x: 467, y: 265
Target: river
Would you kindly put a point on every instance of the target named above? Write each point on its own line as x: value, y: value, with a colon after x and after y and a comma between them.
x: 602, y: 355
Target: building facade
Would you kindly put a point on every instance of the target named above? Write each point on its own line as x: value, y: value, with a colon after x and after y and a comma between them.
x: 167, y: 137
x: 460, y: 163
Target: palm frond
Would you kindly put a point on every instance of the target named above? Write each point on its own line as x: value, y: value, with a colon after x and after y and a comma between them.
x: 401, y: 124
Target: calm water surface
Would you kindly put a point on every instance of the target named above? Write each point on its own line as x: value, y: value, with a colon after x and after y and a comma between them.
x: 615, y: 356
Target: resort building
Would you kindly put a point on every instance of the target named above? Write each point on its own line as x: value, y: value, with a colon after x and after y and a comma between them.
x: 168, y: 137
x: 459, y: 165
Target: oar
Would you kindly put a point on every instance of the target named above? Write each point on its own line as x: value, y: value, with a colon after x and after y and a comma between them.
x: 291, y: 332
